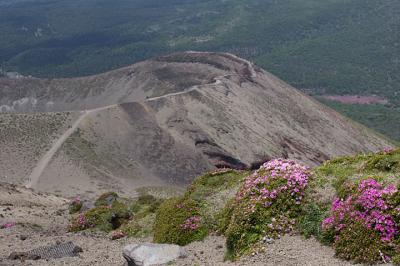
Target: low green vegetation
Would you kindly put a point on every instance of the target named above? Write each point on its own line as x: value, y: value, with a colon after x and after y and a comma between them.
x: 341, y: 172
x: 119, y: 216
x: 144, y: 211
x: 266, y: 206
x: 106, y: 199
x: 360, y: 244
x: 75, y: 205
x: 310, y: 220
x: 362, y: 222
x: 179, y: 221
x: 192, y: 216
x: 104, y: 218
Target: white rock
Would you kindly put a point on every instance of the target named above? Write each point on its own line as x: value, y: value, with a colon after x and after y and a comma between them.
x: 151, y: 254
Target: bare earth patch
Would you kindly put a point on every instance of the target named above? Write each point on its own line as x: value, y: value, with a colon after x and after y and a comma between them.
x: 356, y: 99
x: 289, y: 250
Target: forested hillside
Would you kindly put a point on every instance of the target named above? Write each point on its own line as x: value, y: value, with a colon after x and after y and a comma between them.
x: 324, y: 47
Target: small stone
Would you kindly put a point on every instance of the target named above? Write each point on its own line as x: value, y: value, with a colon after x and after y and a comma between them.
x: 23, y: 237
x: 268, y: 240
x: 77, y: 249
x: 16, y: 255
x: 34, y: 257
x: 220, y: 246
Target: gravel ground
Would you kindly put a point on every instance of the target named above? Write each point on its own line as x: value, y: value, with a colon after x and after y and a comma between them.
x: 100, y: 250
x: 289, y: 250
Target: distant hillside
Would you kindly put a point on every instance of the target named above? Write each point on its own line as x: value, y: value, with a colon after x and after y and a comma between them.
x: 384, y: 119
x: 324, y: 47
x: 163, y: 121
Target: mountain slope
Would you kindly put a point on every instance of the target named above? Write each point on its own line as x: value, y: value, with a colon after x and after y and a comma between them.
x: 330, y: 47
x: 167, y: 120
x: 339, y: 46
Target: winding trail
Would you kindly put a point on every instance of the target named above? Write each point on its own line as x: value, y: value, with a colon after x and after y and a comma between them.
x: 35, y: 175
x: 45, y: 160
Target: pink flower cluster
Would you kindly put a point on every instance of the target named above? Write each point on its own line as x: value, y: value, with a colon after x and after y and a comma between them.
x: 7, y: 225
x: 387, y: 150
x: 192, y: 223
x: 368, y: 205
x: 81, y: 221
x: 281, y: 225
x: 273, y: 178
x: 117, y: 235
x: 76, y: 201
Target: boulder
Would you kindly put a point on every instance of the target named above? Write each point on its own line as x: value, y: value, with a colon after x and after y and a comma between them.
x: 149, y: 254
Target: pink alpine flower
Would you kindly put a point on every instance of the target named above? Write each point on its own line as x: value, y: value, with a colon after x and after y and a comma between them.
x: 117, y: 235
x: 8, y: 225
x: 387, y: 150
x: 370, y: 206
x: 258, y: 185
x: 192, y: 223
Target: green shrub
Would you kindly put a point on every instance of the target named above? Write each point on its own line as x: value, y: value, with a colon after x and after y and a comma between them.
x: 364, y: 226
x: 121, y: 214
x: 149, y: 202
x: 136, y: 207
x: 267, y: 205
x: 100, y: 218
x: 124, y: 217
x: 359, y: 244
x: 214, y: 182
x: 224, y: 216
x: 103, y: 218
x: 396, y: 259
x: 75, y: 206
x: 131, y: 229
x: 383, y: 163
x: 197, y: 212
x: 247, y: 228
x: 309, y: 222
x: 178, y: 221
x: 106, y: 199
